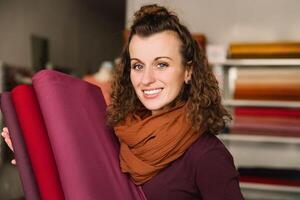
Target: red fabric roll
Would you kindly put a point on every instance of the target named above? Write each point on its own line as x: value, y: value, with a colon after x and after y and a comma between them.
x: 37, y: 142
x: 271, y: 181
x: 280, y: 112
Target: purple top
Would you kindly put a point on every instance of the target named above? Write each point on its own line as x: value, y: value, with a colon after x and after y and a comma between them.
x: 206, y: 171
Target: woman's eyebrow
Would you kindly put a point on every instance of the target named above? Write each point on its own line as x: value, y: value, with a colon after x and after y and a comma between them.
x: 132, y: 59
x: 157, y: 58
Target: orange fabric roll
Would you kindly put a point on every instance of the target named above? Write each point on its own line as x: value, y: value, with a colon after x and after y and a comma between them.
x: 268, y: 91
x: 264, y: 50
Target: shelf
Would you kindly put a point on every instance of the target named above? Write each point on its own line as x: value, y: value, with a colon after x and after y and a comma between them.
x: 259, y: 150
x: 258, y: 62
x: 262, y: 103
x: 259, y: 138
x: 268, y: 187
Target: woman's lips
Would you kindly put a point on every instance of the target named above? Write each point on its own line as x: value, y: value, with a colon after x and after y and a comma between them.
x: 152, y: 93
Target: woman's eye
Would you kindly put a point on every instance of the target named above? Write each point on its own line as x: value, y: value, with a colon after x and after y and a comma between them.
x: 137, y: 67
x: 162, y: 65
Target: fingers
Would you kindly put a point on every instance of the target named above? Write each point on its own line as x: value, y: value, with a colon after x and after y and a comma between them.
x: 13, y: 162
x: 6, y: 136
x: 4, y: 132
x: 8, y: 142
x: 7, y: 139
x: 5, y: 129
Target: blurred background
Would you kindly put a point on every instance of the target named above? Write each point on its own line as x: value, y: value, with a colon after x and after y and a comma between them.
x: 253, y: 47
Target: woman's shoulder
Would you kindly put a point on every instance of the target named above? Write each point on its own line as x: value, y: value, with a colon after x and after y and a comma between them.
x: 209, y: 149
x: 206, y: 143
x: 213, y: 167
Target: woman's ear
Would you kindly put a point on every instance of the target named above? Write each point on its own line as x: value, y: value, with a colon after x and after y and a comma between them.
x: 188, y: 73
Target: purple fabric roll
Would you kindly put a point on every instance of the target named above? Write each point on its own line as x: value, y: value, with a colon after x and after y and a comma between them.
x: 23, y: 162
x: 85, y: 149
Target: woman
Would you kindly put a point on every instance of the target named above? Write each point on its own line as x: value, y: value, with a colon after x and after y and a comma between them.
x: 166, y: 110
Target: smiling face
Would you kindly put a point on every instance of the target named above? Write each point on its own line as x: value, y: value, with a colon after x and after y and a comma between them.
x: 157, y: 73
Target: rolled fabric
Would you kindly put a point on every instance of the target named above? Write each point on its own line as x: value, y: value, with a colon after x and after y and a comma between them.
x: 266, y: 120
x: 264, y: 129
x: 267, y: 91
x: 27, y: 177
x: 37, y: 142
x: 266, y: 172
x: 265, y: 50
x: 271, y: 181
x: 264, y: 111
x: 86, y: 150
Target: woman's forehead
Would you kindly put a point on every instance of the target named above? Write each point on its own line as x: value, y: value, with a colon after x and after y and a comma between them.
x: 161, y: 44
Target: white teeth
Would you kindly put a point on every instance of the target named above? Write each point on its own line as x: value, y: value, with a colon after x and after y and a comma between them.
x: 152, y: 91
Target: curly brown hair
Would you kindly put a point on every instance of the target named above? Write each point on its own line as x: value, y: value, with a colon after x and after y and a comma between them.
x: 201, y: 94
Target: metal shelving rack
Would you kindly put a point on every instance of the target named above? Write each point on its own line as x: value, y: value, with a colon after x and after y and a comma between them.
x: 257, y: 150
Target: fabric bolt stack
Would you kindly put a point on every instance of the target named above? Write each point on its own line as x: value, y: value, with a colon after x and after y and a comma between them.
x: 261, y: 83
x: 285, y: 177
x: 266, y: 121
x: 264, y: 50
x: 63, y: 148
x: 266, y: 84
x: 282, y: 84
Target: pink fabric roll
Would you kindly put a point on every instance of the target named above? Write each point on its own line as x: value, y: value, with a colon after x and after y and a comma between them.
x: 265, y: 129
x: 86, y: 150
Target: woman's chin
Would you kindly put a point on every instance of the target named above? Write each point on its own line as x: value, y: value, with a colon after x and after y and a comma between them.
x: 154, y: 108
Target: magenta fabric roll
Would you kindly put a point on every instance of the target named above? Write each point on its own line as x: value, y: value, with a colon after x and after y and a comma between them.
x: 279, y: 112
x: 265, y: 129
x: 85, y: 149
x: 28, y: 180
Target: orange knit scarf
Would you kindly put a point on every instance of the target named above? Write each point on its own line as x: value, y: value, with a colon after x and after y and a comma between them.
x: 149, y: 145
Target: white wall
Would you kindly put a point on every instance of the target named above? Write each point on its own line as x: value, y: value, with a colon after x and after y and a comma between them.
x: 225, y: 21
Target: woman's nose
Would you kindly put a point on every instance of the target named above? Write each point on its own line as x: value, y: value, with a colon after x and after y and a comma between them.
x: 148, y: 77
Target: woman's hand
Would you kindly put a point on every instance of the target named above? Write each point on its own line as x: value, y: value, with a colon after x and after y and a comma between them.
x: 5, y: 135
